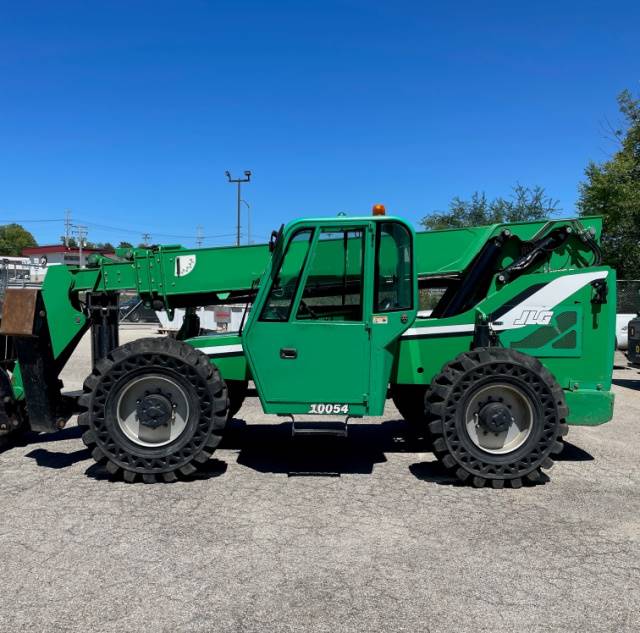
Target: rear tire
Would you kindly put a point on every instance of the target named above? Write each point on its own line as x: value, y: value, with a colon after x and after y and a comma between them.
x: 496, y: 417
x: 155, y: 407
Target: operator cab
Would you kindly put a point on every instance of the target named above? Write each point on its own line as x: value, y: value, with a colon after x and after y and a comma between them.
x: 322, y: 332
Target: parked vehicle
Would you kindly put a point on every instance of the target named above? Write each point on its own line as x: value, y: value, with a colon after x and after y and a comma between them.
x: 622, y: 330
x: 134, y: 310
x: 633, y: 350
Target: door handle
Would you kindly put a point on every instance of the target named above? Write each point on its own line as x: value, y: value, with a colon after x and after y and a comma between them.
x: 288, y: 353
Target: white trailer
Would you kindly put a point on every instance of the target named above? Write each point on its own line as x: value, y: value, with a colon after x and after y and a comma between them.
x: 212, y: 319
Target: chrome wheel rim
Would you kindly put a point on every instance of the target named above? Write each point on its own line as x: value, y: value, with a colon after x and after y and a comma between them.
x: 141, y: 427
x: 514, y: 402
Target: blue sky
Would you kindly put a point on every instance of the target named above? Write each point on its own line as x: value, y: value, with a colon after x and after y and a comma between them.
x: 128, y: 113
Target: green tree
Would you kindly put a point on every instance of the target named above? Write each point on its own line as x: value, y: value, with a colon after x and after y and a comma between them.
x: 13, y: 238
x: 105, y: 246
x: 612, y: 189
x: 71, y: 242
x: 125, y: 245
x: 524, y: 204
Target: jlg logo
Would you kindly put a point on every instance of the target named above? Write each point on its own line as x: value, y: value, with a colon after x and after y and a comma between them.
x: 534, y: 317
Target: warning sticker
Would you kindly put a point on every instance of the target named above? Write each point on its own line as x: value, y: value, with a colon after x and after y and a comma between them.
x: 185, y: 264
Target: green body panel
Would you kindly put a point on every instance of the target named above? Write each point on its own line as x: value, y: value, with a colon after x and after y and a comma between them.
x: 225, y: 350
x: 291, y: 385
x: 589, y: 407
x: 419, y: 360
x: 65, y: 316
x: 351, y: 361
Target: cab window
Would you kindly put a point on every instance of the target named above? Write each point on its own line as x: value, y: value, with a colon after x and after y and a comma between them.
x: 283, y: 290
x: 394, y: 281
x: 333, y: 289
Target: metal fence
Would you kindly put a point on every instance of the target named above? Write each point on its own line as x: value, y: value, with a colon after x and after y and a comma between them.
x: 18, y: 273
x: 628, y: 296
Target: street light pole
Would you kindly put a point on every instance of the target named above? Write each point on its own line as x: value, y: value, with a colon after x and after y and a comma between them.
x: 239, y: 181
x: 248, y: 220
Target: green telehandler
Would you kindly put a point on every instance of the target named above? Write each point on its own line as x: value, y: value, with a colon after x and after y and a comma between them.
x: 518, y: 345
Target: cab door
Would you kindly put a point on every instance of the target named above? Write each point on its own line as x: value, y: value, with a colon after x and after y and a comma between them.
x: 308, y: 339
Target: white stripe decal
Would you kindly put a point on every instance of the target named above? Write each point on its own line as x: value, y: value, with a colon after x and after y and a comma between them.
x: 221, y: 349
x: 549, y: 296
x: 442, y: 329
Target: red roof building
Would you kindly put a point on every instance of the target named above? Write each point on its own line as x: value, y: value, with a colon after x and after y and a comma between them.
x: 59, y: 254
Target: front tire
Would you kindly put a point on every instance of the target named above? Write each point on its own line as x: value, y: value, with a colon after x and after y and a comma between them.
x: 496, y: 417
x: 154, y: 408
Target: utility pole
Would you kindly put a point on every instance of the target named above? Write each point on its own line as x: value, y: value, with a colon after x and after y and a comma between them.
x: 67, y: 227
x: 81, y: 232
x: 239, y: 181
x: 146, y: 238
x: 199, y: 237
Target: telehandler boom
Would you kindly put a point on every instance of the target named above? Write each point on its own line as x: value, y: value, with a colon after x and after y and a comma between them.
x: 519, y: 342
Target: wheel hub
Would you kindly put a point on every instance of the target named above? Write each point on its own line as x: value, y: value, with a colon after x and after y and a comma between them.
x: 154, y: 410
x: 495, y: 417
x: 499, y: 417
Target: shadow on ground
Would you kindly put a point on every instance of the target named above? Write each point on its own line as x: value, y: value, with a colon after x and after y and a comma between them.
x: 213, y: 468
x: 25, y: 438
x: 573, y: 453
x: 269, y: 448
x: 57, y: 460
x: 434, y: 472
x: 627, y: 383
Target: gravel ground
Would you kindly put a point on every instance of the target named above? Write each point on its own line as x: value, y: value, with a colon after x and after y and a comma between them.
x: 389, y: 545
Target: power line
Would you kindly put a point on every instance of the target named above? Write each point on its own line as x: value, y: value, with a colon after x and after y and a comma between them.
x: 68, y: 224
x: 107, y: 227
x: 22, y: 221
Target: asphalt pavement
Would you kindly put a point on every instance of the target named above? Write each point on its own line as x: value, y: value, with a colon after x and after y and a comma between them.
x: 379, y: 539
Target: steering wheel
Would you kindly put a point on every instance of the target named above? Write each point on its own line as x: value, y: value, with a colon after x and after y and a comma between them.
x: 386, y: 305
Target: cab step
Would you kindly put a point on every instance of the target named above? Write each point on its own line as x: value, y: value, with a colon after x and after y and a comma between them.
x: 322, y: 429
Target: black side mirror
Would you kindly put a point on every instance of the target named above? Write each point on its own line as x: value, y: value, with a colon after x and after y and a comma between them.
x: 275, y: 237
